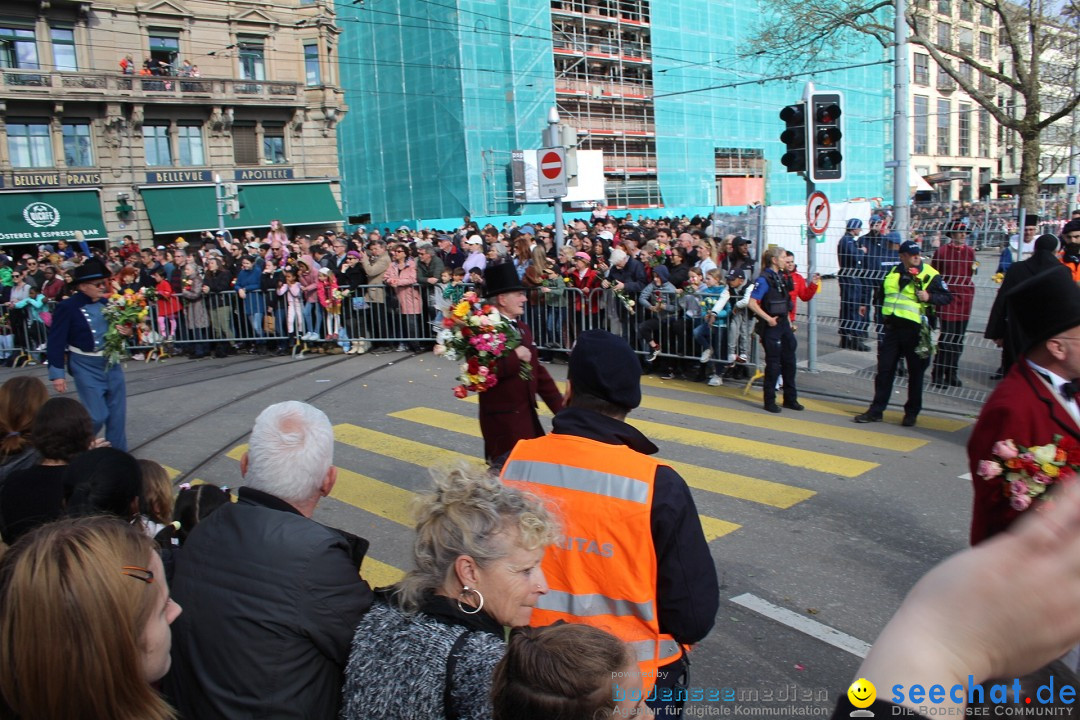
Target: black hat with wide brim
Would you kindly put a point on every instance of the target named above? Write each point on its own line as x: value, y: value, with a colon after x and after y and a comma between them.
x: 501, y: 278
x: 1045, y: 305
x: 92, y: 269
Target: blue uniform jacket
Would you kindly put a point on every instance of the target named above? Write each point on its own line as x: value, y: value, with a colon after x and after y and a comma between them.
x: 69, y: 327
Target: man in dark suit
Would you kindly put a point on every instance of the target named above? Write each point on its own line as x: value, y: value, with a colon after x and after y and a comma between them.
x: 508, y: 410
x: 1036, y: 400
x: 1007, y: 334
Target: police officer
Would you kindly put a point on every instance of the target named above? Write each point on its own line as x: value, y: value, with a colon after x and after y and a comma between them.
x: 770, y: 300
x: 907, y: 293
x: 881, y: 257
x: 854, y: 295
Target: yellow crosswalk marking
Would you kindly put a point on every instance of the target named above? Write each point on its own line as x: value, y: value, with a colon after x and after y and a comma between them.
x: 716, y: 481
x: 823, y: 406
x: 378, y: 498
x: 715, y: 528
x: 379, y: 574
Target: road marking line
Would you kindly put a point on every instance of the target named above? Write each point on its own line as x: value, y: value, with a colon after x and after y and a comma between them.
x: 823, y: 406
x: 965, y: 476
x: 426, y: 456
x: 379, y: 574
x: 765, y: 492
x: 804, y: 624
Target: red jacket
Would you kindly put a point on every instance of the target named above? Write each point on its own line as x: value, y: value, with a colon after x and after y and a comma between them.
x: 956, y: 265
x: 801, y: 291
x: 167, y: 303
x: 1024, y: 409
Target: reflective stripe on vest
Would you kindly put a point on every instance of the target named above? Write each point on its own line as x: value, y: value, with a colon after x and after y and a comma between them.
x: 593, y: 605
x: 901, y: 303
x: 566, y: 477
x: 603, y: 572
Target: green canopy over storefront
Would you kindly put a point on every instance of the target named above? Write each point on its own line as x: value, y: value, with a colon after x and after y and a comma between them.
x: 193, y: 209
x: 48, y: 216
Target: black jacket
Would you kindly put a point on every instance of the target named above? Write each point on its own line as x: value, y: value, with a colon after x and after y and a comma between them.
x: 631, y: 275
x: 687, y: 591
x: 271, y: 600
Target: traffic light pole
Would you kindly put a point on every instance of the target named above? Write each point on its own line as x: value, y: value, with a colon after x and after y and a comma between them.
x: 811, y: 305
x: 554, y: 139
x: 901, y: 158
x: 219, y: 195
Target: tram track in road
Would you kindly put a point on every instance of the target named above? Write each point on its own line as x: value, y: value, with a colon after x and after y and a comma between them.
x: 200, y: 368
x: 273, y: 385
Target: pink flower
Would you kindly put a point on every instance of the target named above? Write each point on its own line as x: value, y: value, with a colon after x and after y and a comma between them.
x: 988, y: 469
x: 483, y: 371
x: 1020, y: 502
x: 1005, y: 449
x: 1019, y: 487
x: 438, y: 350
x: 491, y: 381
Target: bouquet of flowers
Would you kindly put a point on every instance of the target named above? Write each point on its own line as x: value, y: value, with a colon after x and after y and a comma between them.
x: 477, y: 334
x: 122, y: 311
x: 627, y: 301
x: 1028, y: 471
x: 337, y: 297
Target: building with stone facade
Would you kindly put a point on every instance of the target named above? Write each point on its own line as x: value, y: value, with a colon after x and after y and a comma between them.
x: 120, y: 117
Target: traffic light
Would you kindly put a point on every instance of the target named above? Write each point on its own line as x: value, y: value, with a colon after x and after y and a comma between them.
x: 826, y: 133
x: 794, y: 137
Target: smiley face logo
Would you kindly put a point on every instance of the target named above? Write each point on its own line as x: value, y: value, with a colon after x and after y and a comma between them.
x: 862, y: 693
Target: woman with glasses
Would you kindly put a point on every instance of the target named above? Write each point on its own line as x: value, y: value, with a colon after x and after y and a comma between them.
x: 76, y: 345
x: 109, y: 638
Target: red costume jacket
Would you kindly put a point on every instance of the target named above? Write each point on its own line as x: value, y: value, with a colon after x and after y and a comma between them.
x: 1023, y: 408
x: 801, y: 290
x: 508, y: 410
x: 956, y: 265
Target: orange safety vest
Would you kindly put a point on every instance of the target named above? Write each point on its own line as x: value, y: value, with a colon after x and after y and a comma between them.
x: 603, y: 571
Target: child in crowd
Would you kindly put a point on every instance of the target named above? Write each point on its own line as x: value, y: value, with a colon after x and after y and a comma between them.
x: 194, y: 503
x: 168, y: 305
x: 453, y: 293
x: 33, y: 305
x: 738, y: 342
x: 156, y: 502
x: 476, y: 279
x: 331, y: 305
x: 438, y: 297
x: 294, y: 302
x: 709, y: 334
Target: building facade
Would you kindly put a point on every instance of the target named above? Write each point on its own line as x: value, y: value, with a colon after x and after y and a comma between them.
x: 119, y: 118
x: 442, y: 98
x: 954, y: 141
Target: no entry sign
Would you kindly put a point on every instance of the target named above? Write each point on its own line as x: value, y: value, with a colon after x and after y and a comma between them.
x: 551, y: 172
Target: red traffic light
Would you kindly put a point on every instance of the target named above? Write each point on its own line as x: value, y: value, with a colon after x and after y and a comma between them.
x: 827, y: 114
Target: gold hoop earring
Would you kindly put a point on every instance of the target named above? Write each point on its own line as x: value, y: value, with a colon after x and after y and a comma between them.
x: 464, y: 590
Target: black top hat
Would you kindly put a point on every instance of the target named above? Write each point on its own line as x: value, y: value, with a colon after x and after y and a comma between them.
x: 956, y: 226
x: 1028, y: 302
x: 503, y: 278
x: 93, y: 269
x: 1031, y: 220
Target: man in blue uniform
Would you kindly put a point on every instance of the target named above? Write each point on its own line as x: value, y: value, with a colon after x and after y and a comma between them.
x: 854, y: 296
x: 770, y: 301
x: 76, y: 340
x: 907, y: 294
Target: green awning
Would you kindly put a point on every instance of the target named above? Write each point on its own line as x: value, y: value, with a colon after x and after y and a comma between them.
x: 44, y: 216
x: 194, y: 209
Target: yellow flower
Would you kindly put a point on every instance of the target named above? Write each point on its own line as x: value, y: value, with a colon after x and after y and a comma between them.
x: 1051, y: 469
x: 129, y: 291
x: 461, y: 309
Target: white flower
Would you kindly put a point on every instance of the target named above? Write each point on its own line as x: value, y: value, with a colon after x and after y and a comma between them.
x: 1044, y: 453
x: 494, y: 318
x: 475, y: 321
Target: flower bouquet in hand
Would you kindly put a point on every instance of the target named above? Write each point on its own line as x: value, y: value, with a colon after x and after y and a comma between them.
x: 627, y: 301
x: 123, y: 312
x: 336, y: 299
x: 1027, y: 472
x: 478, y: 336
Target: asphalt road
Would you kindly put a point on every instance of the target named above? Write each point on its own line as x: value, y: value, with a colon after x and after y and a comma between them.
x: 819, y: 526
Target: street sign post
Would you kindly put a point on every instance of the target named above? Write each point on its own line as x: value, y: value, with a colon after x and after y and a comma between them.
x: 817, y: 213
x: 1070, y: 181
x: 551, y: 172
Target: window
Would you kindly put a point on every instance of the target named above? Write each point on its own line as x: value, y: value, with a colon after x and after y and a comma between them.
x: 986, y: 16
x: 964, y: 130
x: 78, y: 147
x: 164, y: 47
x: 967, y: 12
x: 190, y: 140
x: 986, y: 45
x: 18, y: 48
x: 984, y: 133
x: 944, y: 80
x: 252, y: 58
x: 311, y: 65
x: 63, y: 47
x: 274, y: 144
x: 944, y: 144
x: 965, y: 40
x: 922, y: 69
x: 922, y: 132
x: 29, y: 144
x: 156, y: 138
x: 944, y: 35
x: 245, y: 147
x: 966, y: 72
x: 944, y: 7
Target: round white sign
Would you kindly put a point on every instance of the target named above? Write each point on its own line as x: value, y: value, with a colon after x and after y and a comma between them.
x: 41, y: 215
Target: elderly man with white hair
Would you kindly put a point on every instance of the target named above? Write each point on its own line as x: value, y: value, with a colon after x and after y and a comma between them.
x: 271, y: 598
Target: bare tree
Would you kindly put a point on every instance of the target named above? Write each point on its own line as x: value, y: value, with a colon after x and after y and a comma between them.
x: 1043, y: 52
